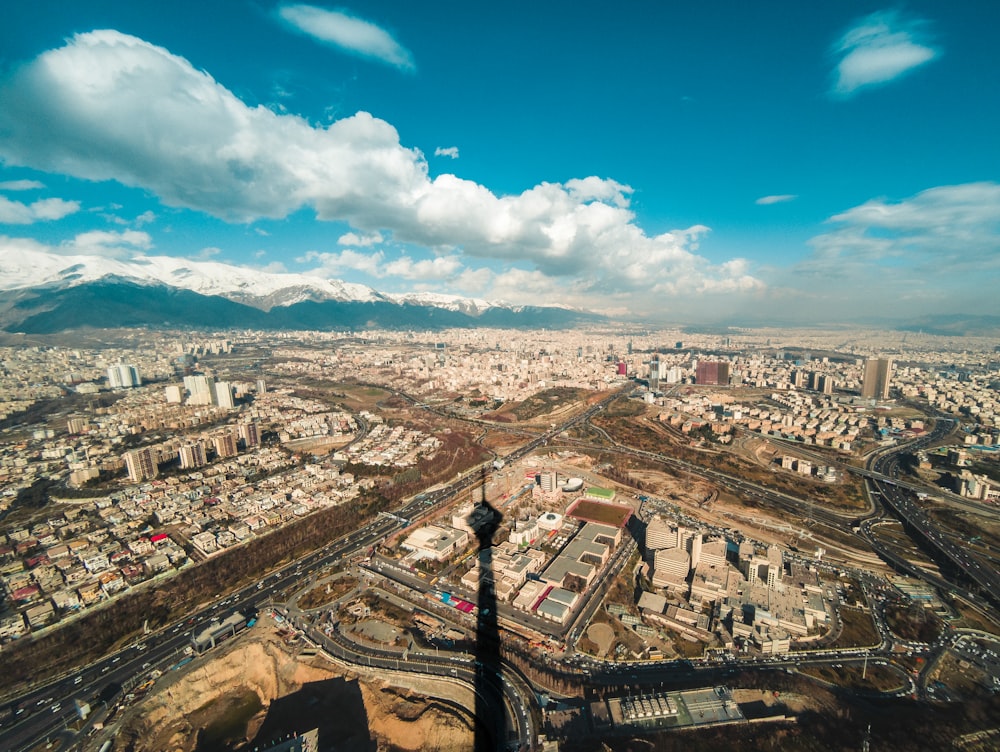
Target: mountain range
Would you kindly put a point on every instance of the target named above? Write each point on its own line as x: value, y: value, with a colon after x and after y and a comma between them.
x: 44, y: 293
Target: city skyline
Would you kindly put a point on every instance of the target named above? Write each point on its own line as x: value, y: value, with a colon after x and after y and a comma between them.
x: 780, y: 162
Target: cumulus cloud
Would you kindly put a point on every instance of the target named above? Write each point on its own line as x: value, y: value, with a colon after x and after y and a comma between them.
x: 123, y: 244
x: 778, y: 199
x: 348, y: 33
x: 360, y: 240
x: 437, y: 268
x: 879, y: 49
x: 108, y: 106
x: 377, y: 265
x: 446, y: 151
x: 20, y: 185
x: 46, y: 209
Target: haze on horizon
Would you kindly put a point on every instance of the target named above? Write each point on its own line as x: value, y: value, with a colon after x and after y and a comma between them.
x: 781, y: 163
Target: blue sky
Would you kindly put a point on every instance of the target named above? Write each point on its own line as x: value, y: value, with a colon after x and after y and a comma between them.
x: 682, y: 161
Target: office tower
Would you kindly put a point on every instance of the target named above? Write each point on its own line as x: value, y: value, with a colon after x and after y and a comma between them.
x: 261, y: 386
x: 876, y: 381
x: 123, y: 376
x: 713, y: 373
x: 140, y: 464
x: 174, y: 393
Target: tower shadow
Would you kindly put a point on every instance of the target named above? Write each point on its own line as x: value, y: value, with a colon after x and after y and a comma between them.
x: 490, y: 717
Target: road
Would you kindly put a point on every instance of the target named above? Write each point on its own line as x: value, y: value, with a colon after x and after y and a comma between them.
x: 46, y: 710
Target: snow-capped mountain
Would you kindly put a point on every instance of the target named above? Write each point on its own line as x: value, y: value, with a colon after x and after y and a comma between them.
x: 470, y: 306
x: 32, y: 268
x: 45, y: 292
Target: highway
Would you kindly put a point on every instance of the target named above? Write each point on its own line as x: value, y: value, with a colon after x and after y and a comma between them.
x: 46, y: 710
x: 884, y: 467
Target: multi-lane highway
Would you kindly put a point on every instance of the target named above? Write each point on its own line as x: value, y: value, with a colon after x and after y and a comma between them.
x: 884, y: 469
x: 47, y: 709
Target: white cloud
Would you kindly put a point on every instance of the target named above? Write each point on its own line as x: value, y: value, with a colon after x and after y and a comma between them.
x: 145, y: 218
x: 377, y: 265
x: 20, y: 185
x: 108, y: 106
x: 206, y: 253
x: 351, y: 34
x: 275, y: 267
x: 446, y: 151
x: 46, y: 209
x: 124, y: 244
x: 879, y: 49
x: 945, y: 233
x: 360, y: 241
x: 335, y: 264
x: 437, y: 268
x: 778, y: 199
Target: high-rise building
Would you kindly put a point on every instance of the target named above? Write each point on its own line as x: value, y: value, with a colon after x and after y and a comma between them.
x: 222, y: 394
x: 713, y: 373
x: 199, y: 390
x: 123, y: 375
x: 225, y: 444
x: 192, y: 455
x: 141, y: 465
x: 261, y: 386
x: 174, y: 393
x: 249, y: 434
x: 876, y: 380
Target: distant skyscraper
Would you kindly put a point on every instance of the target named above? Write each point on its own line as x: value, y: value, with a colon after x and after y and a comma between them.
x: 222, y: 394
x: 141, y: 465
x: 876, y: 381
x: 712, y: 373
x: 123, y: 376
x: 199, y: 390
x: 261, y: 386
x: 174, y: 393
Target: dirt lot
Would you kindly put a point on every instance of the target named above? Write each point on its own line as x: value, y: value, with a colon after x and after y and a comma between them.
x: 259, y: 689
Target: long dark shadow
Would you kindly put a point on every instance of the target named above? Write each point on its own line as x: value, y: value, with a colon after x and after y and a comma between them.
x: 490, y: 720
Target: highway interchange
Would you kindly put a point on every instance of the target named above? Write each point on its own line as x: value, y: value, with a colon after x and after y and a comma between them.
x: 47, y: 710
